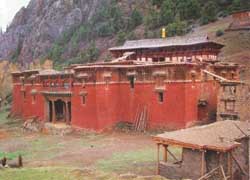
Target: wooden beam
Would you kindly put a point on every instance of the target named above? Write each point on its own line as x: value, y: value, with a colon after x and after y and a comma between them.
x: 209, y: 174
x: 165, y: 158
x: 177, y: 160
x: 67, y: 112
x: 203, y: 163
x: 238, y: 164
x: 223, y: 172
x: 158, y: 159
x: 229, y: 166
x: 214, y: 75
x: 53, y: 112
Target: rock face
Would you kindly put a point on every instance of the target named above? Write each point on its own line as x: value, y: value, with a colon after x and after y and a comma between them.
x: 35, y: 28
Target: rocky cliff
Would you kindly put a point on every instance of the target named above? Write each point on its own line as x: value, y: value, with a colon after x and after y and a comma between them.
x: 35, y: 28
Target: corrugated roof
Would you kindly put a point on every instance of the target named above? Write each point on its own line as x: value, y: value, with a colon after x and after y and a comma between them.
x: 219, y: 136
x: 167, y: 42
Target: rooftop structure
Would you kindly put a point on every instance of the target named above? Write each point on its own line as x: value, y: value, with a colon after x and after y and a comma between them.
x: 173, y: 49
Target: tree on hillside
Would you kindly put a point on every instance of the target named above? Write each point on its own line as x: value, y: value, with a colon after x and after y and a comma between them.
x: 189, y: 9
x: 135, y: 19
x: 152, y: 20
x: 157, y: 2
x: 178, y: 27
x: 209, y: 13
x: 167, y: 12
x: 56, y: 52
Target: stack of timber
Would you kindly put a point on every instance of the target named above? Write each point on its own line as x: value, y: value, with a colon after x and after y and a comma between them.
x: 141, y: 119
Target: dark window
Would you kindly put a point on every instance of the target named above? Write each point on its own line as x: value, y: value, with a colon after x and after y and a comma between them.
x: 161, y: 59
x: 83, y: 100
x: 33, y: 99
x: 24, y: 95
x: 232, y: 75
x: 132, y: 82
x: 160, y: 97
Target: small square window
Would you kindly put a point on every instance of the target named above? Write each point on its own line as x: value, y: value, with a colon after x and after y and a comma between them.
x: 160, y: 97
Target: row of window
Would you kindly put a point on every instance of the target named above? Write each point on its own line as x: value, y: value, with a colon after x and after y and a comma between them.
x: 160, y: 96
x: 84, y: 98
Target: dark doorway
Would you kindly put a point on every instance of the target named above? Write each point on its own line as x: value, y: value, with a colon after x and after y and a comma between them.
x: 50, y: 111
x: 132, y: 82
x: 60, y: 110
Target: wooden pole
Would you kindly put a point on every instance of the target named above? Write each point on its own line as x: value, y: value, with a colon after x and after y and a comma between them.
x: 67, y: 113
x: 229, y: 165
x: 53, y: 112
x: 202, y: 163
x: 165, y: 158
x: 158, y: 159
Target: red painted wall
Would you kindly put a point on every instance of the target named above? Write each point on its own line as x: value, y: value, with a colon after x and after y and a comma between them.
x: 108, y: 104
x: 24, y: 107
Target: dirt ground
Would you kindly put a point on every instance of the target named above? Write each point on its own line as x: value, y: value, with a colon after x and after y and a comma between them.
x: 113, y: 153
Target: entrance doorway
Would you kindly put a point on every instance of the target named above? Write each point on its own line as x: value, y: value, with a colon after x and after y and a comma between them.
x: 59, y: 111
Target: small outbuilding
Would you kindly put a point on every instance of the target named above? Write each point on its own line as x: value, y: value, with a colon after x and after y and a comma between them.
x: 215, y: 151
x: 241, y: 20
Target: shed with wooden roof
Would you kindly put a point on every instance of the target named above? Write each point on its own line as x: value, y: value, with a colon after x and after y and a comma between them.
x: 219, y: 149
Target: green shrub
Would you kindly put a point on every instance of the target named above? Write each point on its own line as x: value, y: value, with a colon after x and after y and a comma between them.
x: 209, y: 13
x: 219, y: 33
x: 177, y: 28
x: 105, y: 29
x: 121, y: 38
x: 152, y: 20
x: 56, y: 52
x: 135, y: 19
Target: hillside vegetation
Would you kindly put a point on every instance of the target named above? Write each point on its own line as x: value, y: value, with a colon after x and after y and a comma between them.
x: 116, y: 22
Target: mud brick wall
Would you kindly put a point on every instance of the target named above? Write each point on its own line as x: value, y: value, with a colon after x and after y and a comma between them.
x: 190, y: 168
x: 233, y: 102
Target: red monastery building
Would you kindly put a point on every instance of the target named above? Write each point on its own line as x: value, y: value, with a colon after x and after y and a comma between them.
x: 158, y: 83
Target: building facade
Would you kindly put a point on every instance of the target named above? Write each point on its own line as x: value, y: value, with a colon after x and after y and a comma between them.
x: 241, y: 21
x: 148, y: 93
